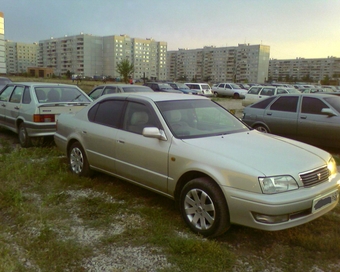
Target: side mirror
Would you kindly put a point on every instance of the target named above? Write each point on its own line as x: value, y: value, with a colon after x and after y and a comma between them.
x: 328, y: 111
x: 153, y: 132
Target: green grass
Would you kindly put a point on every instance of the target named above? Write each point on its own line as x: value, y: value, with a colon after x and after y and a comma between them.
x: 46, y: 213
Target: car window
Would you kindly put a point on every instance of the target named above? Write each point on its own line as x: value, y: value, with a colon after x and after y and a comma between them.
x: 281, y: 91
x: 107, y: 112
x: 267, y: 91
x: 96, y: 93
x: 16, y: 95
x: 6, y: 93
x: 137, y: 117
x: 263, y: 103
x: 254, y: 90
x: 27, y: 96
x: 205, y: 86
x: 221, y: 85
x: 110, y: 89
x: 312, y: 105
x: 285, y: 103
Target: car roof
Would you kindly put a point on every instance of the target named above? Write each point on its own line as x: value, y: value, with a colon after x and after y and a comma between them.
x: 40, y: 84
x: 154, y: 96
x: 121, y: 85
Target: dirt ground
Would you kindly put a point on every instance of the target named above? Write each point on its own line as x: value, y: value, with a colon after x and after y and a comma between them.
x: 233, y: 105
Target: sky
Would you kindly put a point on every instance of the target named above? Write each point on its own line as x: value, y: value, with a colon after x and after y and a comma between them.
x: 292, y: 28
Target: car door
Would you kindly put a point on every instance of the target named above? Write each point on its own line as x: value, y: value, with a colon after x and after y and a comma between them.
x: 221, y: 89
x: 100, y: 134
x: 4, y: 97
x: 314, y: 126
x: 281, y: 116
x: 14, y: 106
x: 141, y: 159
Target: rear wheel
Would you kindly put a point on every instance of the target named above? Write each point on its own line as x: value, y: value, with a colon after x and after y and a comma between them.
x: 204, y: 208
x: 79, y: 164
x: 24, y: 140
x: 215, y: 94
x: 236, y: 96
x: 261, y: 128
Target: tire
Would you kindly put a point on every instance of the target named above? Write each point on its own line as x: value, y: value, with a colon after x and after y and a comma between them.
x: 236, y: 96
x: 204, y: 208
x: 79, y: 164
x: 24, y: 140
x: 261, y: 128
x: 215, y: 94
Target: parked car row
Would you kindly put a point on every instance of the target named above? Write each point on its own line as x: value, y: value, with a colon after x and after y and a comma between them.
x: 185, y: 147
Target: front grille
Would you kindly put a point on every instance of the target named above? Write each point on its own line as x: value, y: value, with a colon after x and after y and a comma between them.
x: 315, y: 177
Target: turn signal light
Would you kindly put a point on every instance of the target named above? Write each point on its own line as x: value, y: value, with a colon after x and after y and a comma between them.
x: 43, y: 118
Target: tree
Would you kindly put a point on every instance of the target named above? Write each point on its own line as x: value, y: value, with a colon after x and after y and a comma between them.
x: 125, y: 69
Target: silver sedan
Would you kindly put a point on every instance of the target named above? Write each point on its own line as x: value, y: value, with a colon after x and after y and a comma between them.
x: 194, y: 151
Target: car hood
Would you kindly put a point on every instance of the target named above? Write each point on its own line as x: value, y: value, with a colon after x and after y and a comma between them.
x: 265, y: 153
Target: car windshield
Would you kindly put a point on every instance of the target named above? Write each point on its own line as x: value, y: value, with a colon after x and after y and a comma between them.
x: 198, y: 118
x: 48, y: 94
x: 334, y: 102
x: 235, y: 86
x: 182, y: 86
x: 165, y: 86
x: 136, y: 89
x: 293, y: 90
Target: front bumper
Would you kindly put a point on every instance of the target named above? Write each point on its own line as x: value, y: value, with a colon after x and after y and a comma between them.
x: 290, y: 209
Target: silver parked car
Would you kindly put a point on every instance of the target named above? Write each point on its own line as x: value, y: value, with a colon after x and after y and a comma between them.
x: 256, y: 93
x: 229, y: 89
x: 311, y: 118
x: 192, y: 150
x: 117, y: 88
x: 31, y: 109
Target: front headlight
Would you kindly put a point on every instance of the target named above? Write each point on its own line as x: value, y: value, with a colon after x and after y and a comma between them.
x: 278, y: 184
x: 332, y: 166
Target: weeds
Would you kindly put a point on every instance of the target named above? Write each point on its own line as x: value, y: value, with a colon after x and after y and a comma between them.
x: 52, y: 220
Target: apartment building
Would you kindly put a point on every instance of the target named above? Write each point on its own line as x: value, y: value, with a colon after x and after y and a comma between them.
x: 20, y: 56
x: 301, y: 69
x: 80, y: 54
x: 3, y: 69
x: 242, y: 63
x: 147, y: 55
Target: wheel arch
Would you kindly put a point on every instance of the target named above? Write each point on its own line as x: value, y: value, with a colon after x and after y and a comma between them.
x: 185, y: 178
x: 256, y: 124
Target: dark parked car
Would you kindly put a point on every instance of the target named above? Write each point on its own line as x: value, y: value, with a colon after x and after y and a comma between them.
x: 161, y: 87
x: 182, y: 87
x: 117, y: 88
x: 311, y: 118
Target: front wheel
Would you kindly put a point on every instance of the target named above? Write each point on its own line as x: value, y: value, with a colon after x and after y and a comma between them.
x: 204, y: 208
x: 261, y: 128
x: 79, y: 164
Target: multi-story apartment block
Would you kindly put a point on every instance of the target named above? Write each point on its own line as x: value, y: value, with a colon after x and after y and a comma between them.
x: 20, y: 56
x: 147, y: 55
x: 242, y: 63
x: 92, y: 56
x: 2, y: 45
x: 300, y: 69
x: 80, y: 54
